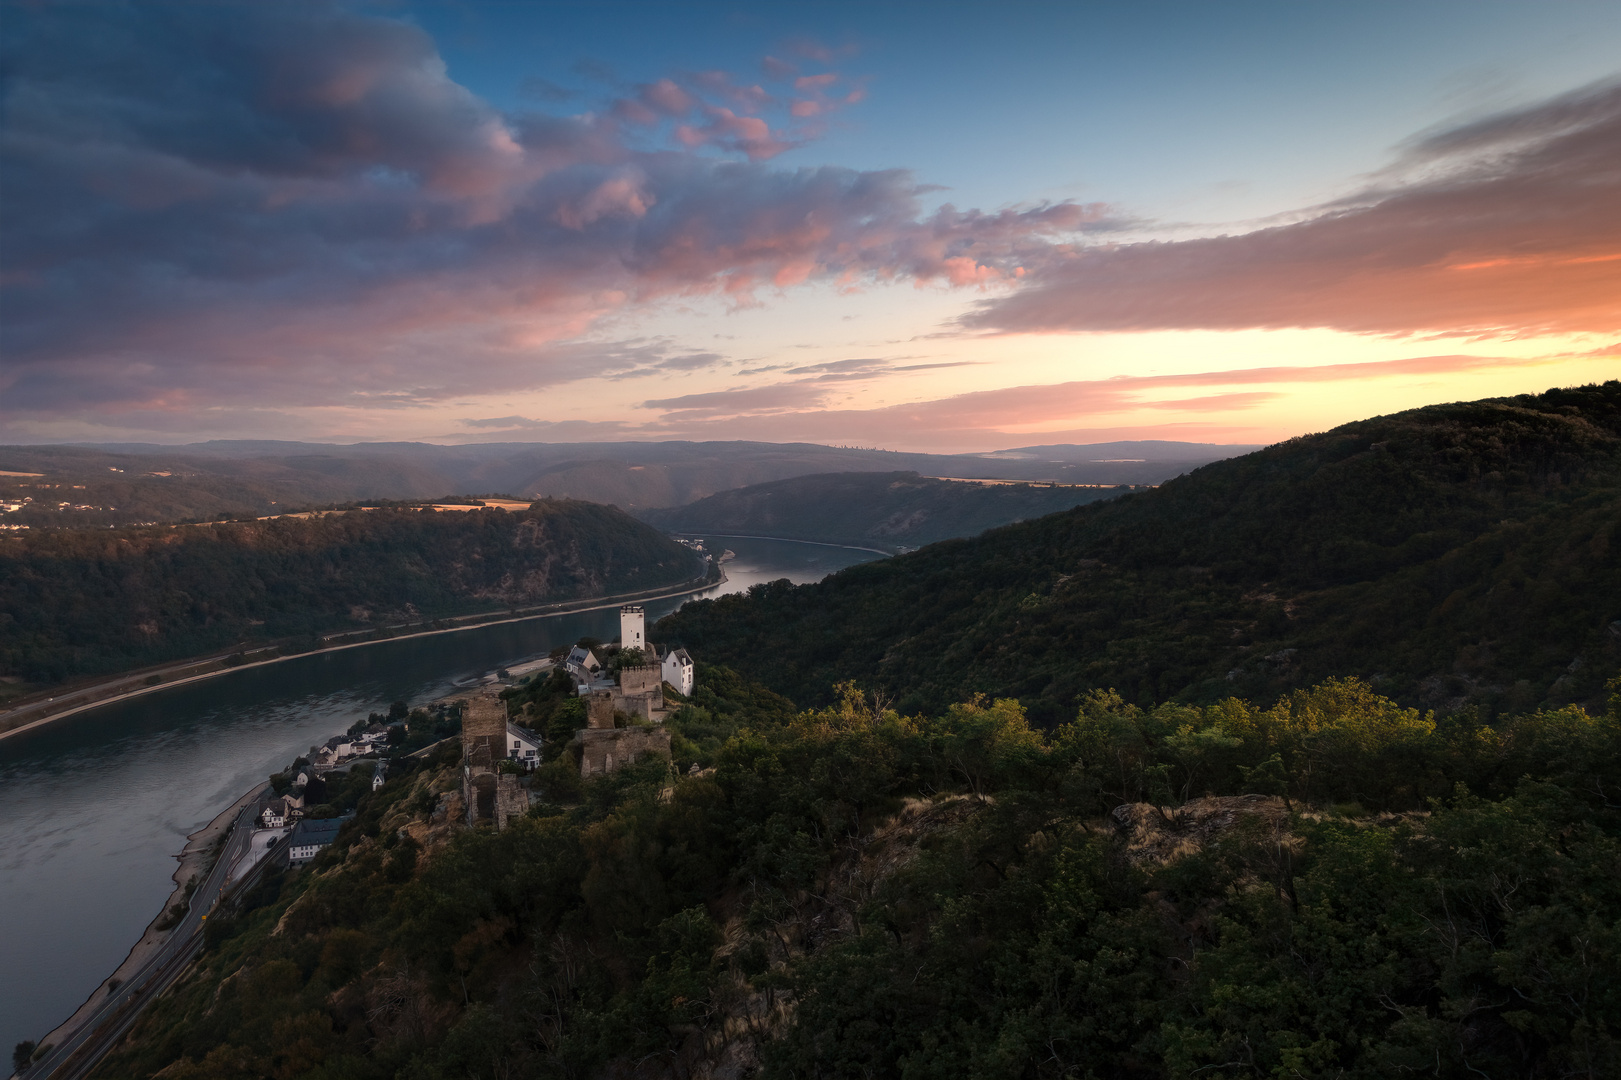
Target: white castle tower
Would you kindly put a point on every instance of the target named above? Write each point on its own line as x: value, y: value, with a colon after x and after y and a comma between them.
x: 632, y: 627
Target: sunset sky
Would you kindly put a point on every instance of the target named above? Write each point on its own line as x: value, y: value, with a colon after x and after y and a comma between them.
x: 916, y: 226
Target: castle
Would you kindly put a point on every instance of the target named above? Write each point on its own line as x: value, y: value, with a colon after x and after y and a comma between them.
x: 638, y: 696
x: 639, y: 693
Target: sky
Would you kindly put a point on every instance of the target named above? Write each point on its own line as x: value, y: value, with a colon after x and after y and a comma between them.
x: 945, y: 227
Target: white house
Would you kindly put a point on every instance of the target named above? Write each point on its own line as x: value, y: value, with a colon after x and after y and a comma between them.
x: 309, y: 837
x: 523, y: 746
x: 270, y: 817
x: 678, y: 670
x: 377, y: 777
x: 582, y: 662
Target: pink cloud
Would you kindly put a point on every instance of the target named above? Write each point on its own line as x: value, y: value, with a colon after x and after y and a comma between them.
x: 750, y: 98
x: 778, y: 69
x: 668, y: 98
x: 748, y: 134
x: 382, y: 238
x: 618, y: 195
x: 1511, y: 225
x: 994, y: 413
x: 806, y: 83
x: 810, y: 49
x: 1216, y: 402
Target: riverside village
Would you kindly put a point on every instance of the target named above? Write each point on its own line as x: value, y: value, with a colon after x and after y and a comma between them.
x: 592, y: 708
x: 522, y: 737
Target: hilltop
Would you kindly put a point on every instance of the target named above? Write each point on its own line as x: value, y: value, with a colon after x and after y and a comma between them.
x: 1329, y: 887
x: 891, y: 511
x: 125, y: 484
x: 1453, y: 555
x: 89, y: 601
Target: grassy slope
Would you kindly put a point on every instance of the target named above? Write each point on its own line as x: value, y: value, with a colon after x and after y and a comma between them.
x: 883, y: 509
x: 89, y: 601
x: 1454, y: 554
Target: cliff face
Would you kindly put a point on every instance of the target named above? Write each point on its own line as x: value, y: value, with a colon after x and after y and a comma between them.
x: 87, y: 601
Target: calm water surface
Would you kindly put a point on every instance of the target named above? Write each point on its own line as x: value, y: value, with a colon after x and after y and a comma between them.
x: 94, y: 807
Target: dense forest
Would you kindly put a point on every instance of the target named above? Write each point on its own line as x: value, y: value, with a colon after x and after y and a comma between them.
x: 82, y: 601
x: 889, y: 511
x: 1454, y: 556
x: 1332, y: 886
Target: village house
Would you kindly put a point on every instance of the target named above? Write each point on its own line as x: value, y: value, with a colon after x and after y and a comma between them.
x: 523, y: 746
x: 678, y: 671
x: 280, y: 811
x: 582, y: 663
x: 311, y: 836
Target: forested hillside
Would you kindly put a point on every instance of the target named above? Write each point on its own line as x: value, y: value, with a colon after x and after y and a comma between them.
x: 1454, y: 555
x: 87, y: 601
x: 1331, y: 888
x: 889, y: 511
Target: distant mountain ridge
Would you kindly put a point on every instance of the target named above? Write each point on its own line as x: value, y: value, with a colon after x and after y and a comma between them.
x: 1454, y: 555
x: 890, y: 511
x: 119, y: 484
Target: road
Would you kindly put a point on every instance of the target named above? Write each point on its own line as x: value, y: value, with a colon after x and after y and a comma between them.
x: 77, y: 1055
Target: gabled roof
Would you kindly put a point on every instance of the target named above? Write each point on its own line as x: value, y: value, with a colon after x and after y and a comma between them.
x: 523, y: 733
x: 316, y: 830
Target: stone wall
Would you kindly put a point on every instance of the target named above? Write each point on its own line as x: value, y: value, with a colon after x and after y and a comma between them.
x: 641, y: 679
x: 484, y: 719
x: 484, y: 744
x: 511, y: 801
x: 599, y: 709
x: 603, y: 751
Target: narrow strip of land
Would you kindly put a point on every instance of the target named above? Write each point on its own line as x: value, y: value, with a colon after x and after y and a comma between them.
x: 788, y: 540
x: 29, y: 715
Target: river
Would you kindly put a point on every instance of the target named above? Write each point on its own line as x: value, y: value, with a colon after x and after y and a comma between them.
x: 94, y: 807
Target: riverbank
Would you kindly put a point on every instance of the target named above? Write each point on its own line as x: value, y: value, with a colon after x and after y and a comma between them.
x: 792, y: 540
x: 194, y: 863
x: 30, y: 715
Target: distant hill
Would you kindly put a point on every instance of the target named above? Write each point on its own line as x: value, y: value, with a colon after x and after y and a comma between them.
x: 890, y: 511
x: 1453, y: 555
x: 132, y: 483
x: 88, y: 601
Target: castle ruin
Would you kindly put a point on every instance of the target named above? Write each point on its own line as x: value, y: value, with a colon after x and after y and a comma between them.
x: 488, y: 793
